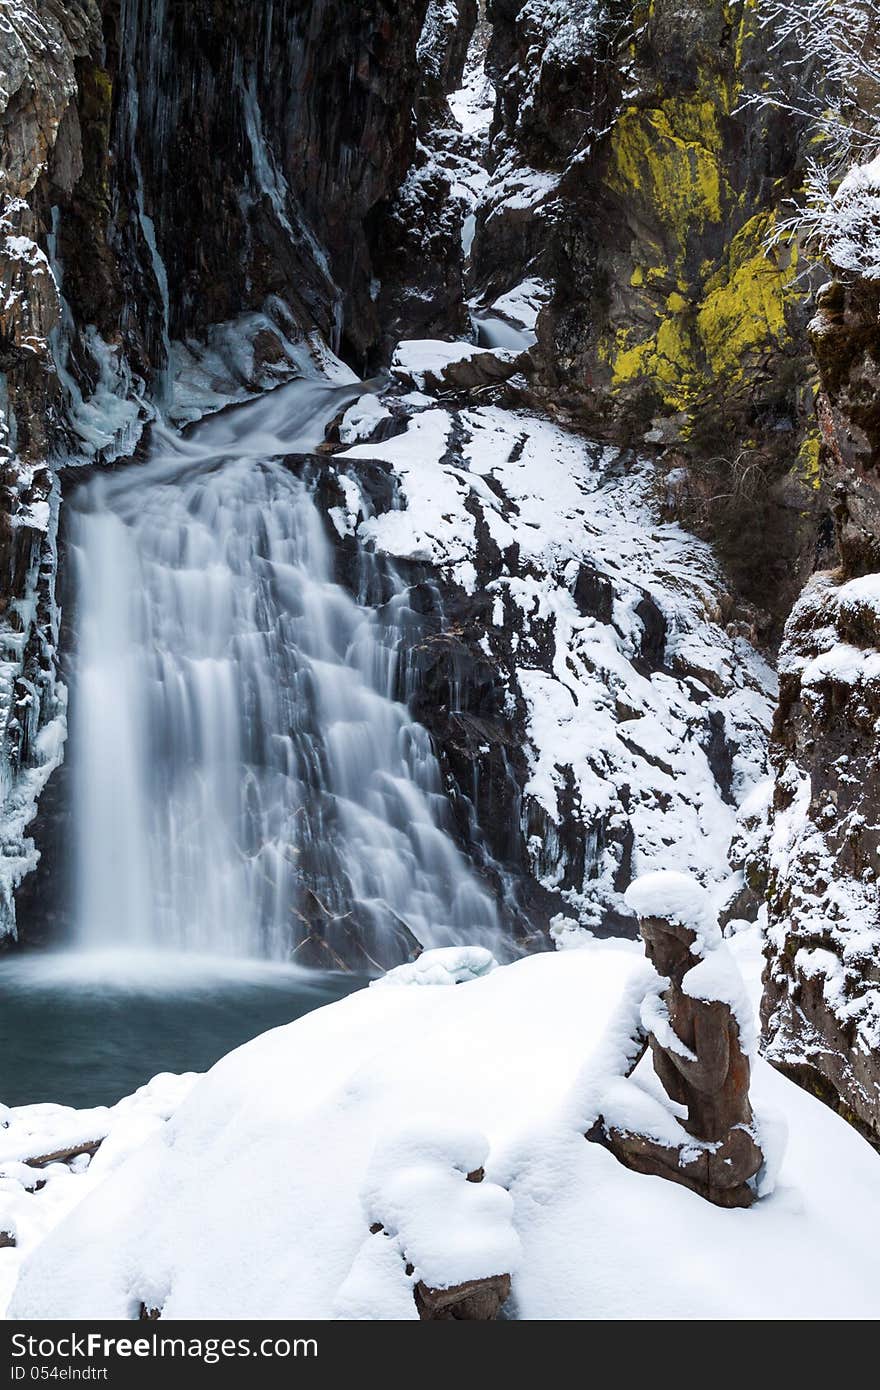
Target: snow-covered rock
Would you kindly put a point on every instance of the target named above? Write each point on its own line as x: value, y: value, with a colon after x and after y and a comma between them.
x: 582, y: 661
x: 447, y: 965
x: 39, y: 1185
x: 819, y: 857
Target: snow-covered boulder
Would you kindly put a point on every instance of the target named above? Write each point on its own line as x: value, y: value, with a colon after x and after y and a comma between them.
x: 453, y: 1233
x: 433, y: 365
x: 447, y: 965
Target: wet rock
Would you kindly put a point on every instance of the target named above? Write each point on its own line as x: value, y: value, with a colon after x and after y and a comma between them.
x: 594, y: 594
x: 654, y: 627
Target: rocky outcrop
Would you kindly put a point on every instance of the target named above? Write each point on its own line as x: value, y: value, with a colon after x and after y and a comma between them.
x: 821, y: 1005
x: 40, y: 50
x: 845, y: 336
x: 293, y: 123
x: 564, y: 648
x: 419, y: 252
x: 632, y: 172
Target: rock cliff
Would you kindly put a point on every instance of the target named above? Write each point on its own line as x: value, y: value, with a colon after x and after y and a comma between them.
x: 634, y: 171
x: 821, y: 1004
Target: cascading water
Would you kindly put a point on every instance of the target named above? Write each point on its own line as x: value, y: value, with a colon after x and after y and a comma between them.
x: 244, y: 778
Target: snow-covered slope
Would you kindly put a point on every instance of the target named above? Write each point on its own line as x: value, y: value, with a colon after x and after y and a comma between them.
x: 255, y: 1200
x: 638, y: 716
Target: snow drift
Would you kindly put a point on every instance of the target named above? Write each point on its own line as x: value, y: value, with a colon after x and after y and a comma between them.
x: 255, y: 1199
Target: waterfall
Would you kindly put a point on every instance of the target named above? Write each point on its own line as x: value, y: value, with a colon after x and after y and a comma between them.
x: 244, y: 775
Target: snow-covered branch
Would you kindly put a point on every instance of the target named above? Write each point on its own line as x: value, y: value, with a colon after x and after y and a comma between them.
x: 830, y: 77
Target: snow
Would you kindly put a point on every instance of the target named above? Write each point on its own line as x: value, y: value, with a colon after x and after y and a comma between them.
x: 362, y: 418
x: 524, y: 302
x: 447, y: 965
x: 716, y: 977
x: 849, y: 225
x: 450, y: 1230
x: 419, y: 357
x: 676, y: 897
x: 864, y: 591
x: 33, y: 1131
x: 435, y: 525
x: 473, y: 104
x: 825, y: 900
x: 679, y: 898
x: 632, y: 743
x: 654, y: 1018
x: 517, y: 188
x: 255, y: 1198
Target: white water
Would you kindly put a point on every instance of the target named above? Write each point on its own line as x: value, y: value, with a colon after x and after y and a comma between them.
x: 243, y: 775
x: 493, y: 331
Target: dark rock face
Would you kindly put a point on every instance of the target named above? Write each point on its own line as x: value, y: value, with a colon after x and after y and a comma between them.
x: 292, y: 121
x: 821, y: 1005
x: 845, y: 336
x: 416, y: 235
x: 647, y: 192
x: 40, y: 52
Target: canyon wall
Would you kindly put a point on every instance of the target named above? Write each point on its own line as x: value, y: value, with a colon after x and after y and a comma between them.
x: 636, y: 172
x: 189, y: 193
x: 821, y: 1004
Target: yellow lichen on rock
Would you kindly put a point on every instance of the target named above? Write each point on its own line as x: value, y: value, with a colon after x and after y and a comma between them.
x: 745, y: 301
x: 711, y: 339
x: 808, y: 466
x: 669, y: 157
